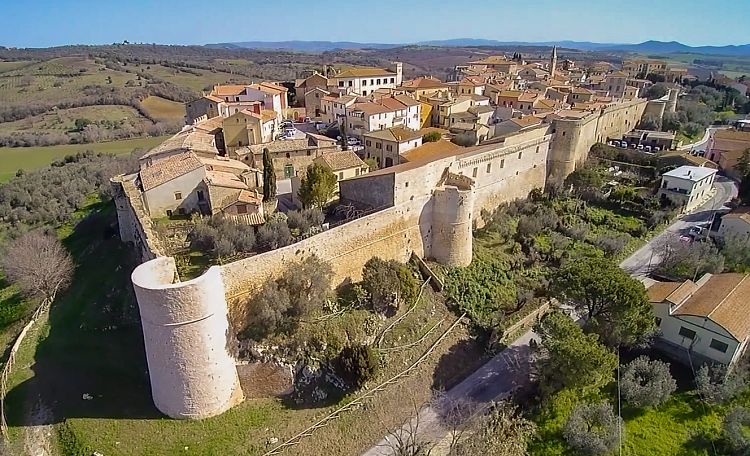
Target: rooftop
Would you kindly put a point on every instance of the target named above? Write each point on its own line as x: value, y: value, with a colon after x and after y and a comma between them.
x: 345, y: 159
x: 189, y: 139
x: 166, y: 169
x: 691, y: 173
x: 224, y: 179
x: 722, y: 298
x: 364, y: 72
x: 399, y: 134
x: 424, y: 83
x: 432, y: 151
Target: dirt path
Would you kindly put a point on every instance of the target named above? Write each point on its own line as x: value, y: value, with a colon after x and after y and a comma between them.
x: 37, y: 438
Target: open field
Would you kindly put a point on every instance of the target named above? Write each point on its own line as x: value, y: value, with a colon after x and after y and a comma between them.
x: 9, y: 66
x: 162, y: 109
x: 58, y: 79
x: 63, y: 120
x: 14, y: 158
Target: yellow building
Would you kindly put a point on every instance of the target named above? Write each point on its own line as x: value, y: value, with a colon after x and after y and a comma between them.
x: 246, y: 128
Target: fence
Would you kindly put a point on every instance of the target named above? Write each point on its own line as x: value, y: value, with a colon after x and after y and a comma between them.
x: 7, y: 369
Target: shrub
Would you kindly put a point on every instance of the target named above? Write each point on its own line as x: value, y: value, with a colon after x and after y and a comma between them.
x: 716, y: 386
x: 274, y: 234
x: 388, y: 283
x: 222, y: 237
x: 281, y: 303
x: 592, y: 429
x: 357, y: 364
x: 736, y: 430
x: 646, y: 382
x: 612, y: 243
x: 432, y: 136
x: 305, y: 219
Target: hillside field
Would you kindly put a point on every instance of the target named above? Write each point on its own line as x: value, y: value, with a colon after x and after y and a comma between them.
x: 14, y: 158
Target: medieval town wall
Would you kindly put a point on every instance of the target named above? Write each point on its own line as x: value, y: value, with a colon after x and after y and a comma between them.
x: 572, y: 138
x: 393, y: 233
x: 133, y: 220
x: 185, y: 331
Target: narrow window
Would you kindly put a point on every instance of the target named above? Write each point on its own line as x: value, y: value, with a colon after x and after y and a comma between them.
x: 341, y: 175
x: 685, y: 332
x: 502, y: 163
x: 489, y: 168
x: 719, y: 345
x: 520, y: 154
x: 474, y: 172
x: 178, y: 195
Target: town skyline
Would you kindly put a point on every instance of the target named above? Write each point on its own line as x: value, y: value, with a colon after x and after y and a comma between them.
x: 91, y: 23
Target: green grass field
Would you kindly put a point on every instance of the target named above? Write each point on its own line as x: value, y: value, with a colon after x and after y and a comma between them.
x: 14, y: 158
x: 163, y: 109
x: 63, y: 120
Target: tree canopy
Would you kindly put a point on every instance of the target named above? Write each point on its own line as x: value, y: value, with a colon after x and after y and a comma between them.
x: 613, y: 304
x: 569, y: 358
x: 38, y: 264
x: 318, y: 186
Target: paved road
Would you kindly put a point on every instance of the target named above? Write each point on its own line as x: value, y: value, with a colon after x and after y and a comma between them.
x: 639, y: 264
x: 501, y: 375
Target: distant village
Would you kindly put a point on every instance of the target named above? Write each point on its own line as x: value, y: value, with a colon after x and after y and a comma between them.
x: 214, y: 165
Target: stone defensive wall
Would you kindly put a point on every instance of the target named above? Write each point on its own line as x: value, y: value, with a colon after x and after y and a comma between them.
x: 185, y: 330
x: 133, y: 220
x: 427, y: 208
x: 392, y: 233
x: 574, y: 136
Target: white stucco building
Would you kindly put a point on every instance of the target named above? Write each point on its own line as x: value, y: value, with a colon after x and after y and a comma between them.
x: 364, y: 81
x: 736, y: 224
x: 703, y: 321
x: 688, y: 186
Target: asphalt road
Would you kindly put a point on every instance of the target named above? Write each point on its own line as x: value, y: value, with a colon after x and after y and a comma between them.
x: 639, y: 263
x: 501, y: 375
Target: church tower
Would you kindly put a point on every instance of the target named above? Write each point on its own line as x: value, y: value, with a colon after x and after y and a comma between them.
x: 553, y: 62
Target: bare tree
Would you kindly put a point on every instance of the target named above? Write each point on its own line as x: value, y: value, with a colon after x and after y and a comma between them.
x: 38, y: 264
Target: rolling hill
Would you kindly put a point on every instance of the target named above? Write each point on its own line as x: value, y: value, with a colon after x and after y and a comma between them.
x: 647, y: 47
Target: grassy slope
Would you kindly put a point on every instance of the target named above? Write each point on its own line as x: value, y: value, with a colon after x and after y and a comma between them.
x: 63, y: 120
x: 93, y: 344
x: 163, y: 109
x: 14, y: 158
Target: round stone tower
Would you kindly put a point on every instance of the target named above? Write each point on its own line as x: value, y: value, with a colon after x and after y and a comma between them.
x: 452, y: 209
x: 185, y: 330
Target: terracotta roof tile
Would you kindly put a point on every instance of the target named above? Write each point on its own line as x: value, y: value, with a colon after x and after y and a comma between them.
x: 166, y: 169
x: 340, y: 160
x: 725, y: 299
x: 364, y: 72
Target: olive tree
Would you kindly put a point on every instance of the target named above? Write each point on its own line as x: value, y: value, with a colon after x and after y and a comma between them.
x: 716, y: 385
x: 737, y: 430
x: 592, y: 429
x: 646, y: 382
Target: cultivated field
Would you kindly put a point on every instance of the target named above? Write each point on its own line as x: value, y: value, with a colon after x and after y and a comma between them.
x: 63, y: 120
x: 14, y: 158
x: 162, y: 109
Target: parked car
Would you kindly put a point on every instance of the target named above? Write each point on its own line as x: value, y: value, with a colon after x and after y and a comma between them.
x: 640, y: 147
x: 657, y: 148
x: 352, y: 141
x: 647, y: 148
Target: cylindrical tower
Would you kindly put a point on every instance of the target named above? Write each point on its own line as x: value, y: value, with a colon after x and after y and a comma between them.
x: 451, y: 225
x: 672, y: 104
x: 185, y: 330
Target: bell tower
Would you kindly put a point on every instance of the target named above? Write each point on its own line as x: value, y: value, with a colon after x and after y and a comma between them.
x: 553, y: 62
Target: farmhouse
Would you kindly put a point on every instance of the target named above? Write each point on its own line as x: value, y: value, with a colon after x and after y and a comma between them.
x: 703, y: 321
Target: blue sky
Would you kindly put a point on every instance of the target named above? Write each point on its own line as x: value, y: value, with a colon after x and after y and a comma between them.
x: 39, y: 23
